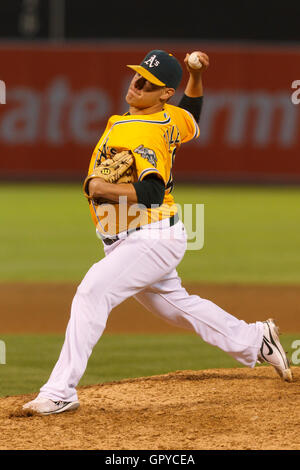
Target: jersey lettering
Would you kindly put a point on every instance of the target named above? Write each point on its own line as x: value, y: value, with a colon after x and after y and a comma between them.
x: 172, y: 136
x: 106, y: 152
x: 103, y: 154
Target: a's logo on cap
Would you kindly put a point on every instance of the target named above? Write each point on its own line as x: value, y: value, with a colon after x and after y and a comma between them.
x: 152, y: 62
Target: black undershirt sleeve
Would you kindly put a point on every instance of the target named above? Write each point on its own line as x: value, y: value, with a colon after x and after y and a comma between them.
x: 150, y: 191
x: 193, y: 105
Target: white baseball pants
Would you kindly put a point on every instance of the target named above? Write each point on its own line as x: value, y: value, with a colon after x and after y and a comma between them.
x: 143, y: 265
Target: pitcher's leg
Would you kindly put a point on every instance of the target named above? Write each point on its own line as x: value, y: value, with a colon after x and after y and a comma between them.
x: 171, y: 301
x: 132, y: 266
x: 83, y: 332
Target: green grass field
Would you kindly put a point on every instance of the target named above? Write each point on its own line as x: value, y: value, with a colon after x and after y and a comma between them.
x: 30, y: 358
x: 251, y: 236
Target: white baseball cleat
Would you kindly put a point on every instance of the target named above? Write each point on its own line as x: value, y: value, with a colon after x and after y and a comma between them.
x: 45, y: 406
x: 271, y: 351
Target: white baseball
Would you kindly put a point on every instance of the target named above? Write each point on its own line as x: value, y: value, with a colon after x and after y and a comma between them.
x: 194, y: 61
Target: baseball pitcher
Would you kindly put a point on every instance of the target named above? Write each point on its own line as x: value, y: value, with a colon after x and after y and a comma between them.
x: 129, y: 192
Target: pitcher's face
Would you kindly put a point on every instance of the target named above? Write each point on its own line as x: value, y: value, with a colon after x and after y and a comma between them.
x: 144, y: 94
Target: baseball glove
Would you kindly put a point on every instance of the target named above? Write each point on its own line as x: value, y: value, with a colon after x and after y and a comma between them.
x: 117, y: 169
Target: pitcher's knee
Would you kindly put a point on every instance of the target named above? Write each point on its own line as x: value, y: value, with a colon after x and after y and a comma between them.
x: 93, y: 283
x: 95, y: 297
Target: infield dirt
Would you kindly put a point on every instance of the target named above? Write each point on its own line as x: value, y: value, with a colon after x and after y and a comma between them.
x: 210, y: 409
x: 218, y: 409
x: 45, y: 308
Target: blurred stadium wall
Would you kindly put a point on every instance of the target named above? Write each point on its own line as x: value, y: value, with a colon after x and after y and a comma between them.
x: 58, y: 99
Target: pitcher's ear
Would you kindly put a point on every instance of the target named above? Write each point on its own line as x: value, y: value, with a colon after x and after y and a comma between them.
x: 167, y: 94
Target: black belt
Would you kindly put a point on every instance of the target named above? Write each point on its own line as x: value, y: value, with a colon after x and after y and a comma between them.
x: 109, y: 241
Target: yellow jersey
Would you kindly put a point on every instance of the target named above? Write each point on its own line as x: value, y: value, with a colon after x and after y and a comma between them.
x: 153, y: 140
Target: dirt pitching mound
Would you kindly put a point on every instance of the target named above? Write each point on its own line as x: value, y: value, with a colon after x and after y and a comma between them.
x: 209, y: 409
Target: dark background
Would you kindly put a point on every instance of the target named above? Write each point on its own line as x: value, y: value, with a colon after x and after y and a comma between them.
x: 95, y: 19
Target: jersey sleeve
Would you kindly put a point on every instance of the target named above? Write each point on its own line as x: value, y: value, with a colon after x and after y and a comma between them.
x: 188, y: 127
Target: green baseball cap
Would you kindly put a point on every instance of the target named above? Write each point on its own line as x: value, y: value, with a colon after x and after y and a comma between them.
x: 161, y: 68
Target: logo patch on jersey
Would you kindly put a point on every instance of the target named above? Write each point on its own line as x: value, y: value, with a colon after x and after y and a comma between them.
x: 148, y: 154
x: 152, y: 62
